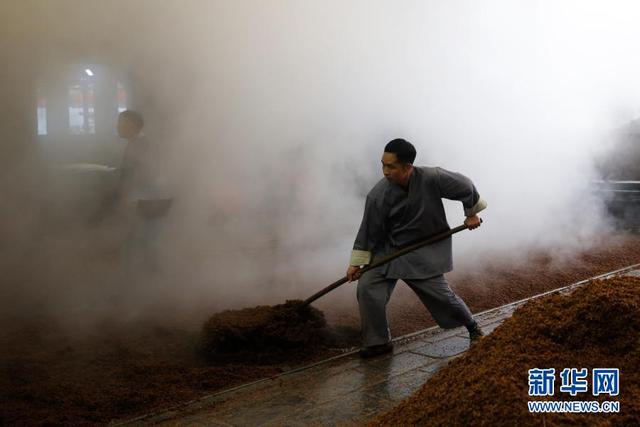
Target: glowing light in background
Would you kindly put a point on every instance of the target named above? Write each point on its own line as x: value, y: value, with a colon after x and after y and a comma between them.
x: 122, y: 97
x: 42, y: 114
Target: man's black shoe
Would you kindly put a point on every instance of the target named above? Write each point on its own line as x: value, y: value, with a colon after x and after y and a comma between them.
x: 475, y: 333
x: 375, y: 350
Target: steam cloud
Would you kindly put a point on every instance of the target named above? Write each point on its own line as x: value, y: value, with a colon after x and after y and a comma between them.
x: 271, y: 117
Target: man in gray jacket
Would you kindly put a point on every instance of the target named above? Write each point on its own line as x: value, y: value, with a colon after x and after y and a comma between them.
x: 402, y: 208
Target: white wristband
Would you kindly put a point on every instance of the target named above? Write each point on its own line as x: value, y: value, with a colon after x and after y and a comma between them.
x: 359, y: 257
x: 481, y: 205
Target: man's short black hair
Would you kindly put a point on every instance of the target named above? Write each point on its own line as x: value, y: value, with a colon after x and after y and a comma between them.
x: 134, y: 117
x: 403, y: 149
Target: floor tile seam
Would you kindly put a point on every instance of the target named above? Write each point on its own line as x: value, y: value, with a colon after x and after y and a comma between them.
x: 377, y: 382
x: 425, y: 355
x: 444, y: 357
x: 359, y: 389
x: 465, y: 334
x: 387, y: 379
x: 311, y: 401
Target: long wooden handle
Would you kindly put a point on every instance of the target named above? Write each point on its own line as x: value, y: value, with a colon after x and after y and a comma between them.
x: 386, y: 259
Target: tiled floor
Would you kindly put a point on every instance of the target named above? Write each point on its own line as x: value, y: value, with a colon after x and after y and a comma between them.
x: 344, y: 390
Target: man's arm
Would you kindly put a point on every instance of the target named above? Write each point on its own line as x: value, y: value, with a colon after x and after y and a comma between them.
x: 455, y: 186
x: 365, y: 240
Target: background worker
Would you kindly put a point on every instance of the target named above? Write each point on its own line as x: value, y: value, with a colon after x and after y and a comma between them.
x: 142, y: 194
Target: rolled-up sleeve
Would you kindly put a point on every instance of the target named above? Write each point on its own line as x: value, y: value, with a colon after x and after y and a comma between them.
x: 455, y: 186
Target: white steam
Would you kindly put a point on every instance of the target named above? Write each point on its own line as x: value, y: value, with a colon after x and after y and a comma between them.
x: 272, y: 115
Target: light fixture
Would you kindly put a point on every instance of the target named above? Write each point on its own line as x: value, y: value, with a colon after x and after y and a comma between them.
x: 89, y: 72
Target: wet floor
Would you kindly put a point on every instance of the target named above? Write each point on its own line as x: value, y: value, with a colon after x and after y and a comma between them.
x: 342, y: 390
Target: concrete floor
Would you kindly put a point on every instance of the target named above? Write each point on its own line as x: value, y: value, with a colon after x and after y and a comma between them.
x: 344, y: 389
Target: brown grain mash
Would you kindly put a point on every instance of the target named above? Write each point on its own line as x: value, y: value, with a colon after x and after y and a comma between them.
x: 596, y: 326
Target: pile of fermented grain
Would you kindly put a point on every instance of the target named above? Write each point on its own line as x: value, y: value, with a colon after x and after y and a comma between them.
x: 264, y: 333
x: 596, y: 326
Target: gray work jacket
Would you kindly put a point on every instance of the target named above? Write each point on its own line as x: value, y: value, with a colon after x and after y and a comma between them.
x: 395, y: 217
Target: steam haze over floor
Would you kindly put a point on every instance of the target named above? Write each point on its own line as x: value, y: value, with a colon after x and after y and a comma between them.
x: 271, y: 117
